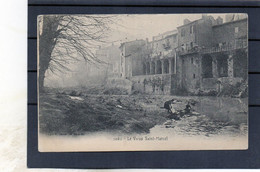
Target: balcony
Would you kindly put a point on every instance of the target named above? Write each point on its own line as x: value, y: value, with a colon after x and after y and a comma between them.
x: 238, y: 45
x: 189, y: 51
x: 164, y: 54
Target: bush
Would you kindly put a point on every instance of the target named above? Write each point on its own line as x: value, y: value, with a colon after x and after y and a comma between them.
x: 115, y: 91
x: 181, y: 92
x: 136, y: 92
x: 230, y: 90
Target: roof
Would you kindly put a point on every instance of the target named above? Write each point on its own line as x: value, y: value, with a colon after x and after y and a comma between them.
x: 231, y: 22
x: 137, y: 40
x: 165, y: 35
x: 189, y: 23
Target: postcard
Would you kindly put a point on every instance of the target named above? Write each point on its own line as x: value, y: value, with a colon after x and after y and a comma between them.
x: 142, y: 82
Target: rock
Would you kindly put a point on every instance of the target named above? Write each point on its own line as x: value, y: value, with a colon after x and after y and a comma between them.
x: 76, y: 98
x: 119, y: 106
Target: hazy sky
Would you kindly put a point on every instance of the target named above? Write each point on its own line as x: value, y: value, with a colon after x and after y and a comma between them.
x: 143, y: 26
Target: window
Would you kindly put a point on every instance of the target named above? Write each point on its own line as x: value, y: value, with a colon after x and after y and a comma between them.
x: 183, y: 32
x: 194, y: 76
x: 191, y: 44
x: 236, y: 29
x: 191, y: 29
x: 192, y: 60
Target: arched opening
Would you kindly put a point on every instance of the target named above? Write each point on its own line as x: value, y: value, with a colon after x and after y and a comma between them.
x: 159, y: 67
x: 222, y: 61
x: 207, y: 66
x: 166, y: 66
x: 153, y: 68
x: 144, y: 69
x: 148, y: 68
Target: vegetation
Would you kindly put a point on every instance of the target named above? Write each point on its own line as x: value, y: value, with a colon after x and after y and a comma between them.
x: 62, y: 114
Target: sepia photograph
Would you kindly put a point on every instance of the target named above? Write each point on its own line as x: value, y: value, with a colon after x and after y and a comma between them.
x: 142, y: 82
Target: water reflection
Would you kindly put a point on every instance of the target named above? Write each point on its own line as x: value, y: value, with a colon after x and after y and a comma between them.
x: 218, y: 116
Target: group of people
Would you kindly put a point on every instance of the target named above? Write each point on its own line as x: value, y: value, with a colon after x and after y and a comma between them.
x: 177, y: 114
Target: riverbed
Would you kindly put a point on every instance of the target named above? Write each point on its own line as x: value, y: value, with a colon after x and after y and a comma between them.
x: 220, y: 123
x: 220, y: 116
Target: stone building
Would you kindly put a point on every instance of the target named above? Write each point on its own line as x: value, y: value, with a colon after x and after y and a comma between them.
x: 128, y: 52
x: 108, y: 66
x: 153, y: 65
x: 226, y: 62
x: 109, y: 61
x: 201, y: 55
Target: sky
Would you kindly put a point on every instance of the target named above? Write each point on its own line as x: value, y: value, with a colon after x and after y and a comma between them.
x: 144, y: 26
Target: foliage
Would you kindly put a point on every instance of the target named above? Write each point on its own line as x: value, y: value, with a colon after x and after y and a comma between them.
x: 115, y: 91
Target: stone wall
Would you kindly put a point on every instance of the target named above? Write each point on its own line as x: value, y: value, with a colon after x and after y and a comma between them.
x: 190, y: 72
x: 217, y: 84
x: 204, y: 33
x: 152, y: 84
x: 230, y: 32
x: 128, y: 49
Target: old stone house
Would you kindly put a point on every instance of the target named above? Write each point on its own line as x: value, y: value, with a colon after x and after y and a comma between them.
x: 201, y: 55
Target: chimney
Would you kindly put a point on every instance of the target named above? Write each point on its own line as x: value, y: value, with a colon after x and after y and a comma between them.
x: 219, y: 20
x: 204, y: 16
x: 229, y: 17
x: 186, y: 21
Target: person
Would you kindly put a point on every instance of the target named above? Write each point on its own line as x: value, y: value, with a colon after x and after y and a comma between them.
x: 167, y: 105
x: 172, y: 110
x: 187, y: 108
x: 174, y: 114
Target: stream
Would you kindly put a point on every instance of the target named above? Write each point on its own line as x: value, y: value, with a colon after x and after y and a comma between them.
x: 217, y: 116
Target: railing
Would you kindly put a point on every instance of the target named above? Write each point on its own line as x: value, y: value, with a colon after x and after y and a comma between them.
x: 238, y: 45
x: 163, y: 54
x: 157, y: 74
x: 189, y: 51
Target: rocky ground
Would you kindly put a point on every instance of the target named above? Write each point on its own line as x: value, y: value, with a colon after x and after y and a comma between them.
x: 77, y: 112
x: 73, y: 114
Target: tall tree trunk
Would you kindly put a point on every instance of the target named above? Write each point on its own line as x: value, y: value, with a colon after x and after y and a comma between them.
x: 47, y: 40
x: 41, y: 80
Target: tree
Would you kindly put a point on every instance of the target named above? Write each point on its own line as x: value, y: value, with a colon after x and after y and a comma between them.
x: 67, y: 38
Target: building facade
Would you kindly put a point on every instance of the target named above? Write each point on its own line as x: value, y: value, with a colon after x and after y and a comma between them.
x: 201, y: 55
x: 128, y: 52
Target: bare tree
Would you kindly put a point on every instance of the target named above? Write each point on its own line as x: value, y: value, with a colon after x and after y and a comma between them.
x: 67, y: 38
